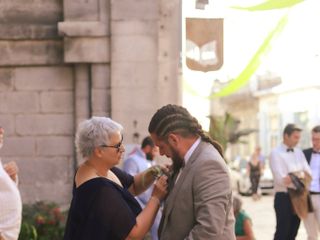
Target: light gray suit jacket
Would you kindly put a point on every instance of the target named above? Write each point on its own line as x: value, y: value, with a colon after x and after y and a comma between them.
x: 200, y: 203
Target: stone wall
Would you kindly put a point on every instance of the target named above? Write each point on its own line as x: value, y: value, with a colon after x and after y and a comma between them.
x: 36, y: 106
x: 145, y: 61
x: 64, y: 61
x: 36, y: 99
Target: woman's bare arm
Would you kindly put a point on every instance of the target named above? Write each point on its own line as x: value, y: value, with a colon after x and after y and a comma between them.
x: 146, y: 218
x: 247, y: 227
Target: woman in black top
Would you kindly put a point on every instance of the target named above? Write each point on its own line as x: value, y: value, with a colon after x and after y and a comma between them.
x: 103, y: 206
x: 254, y: 169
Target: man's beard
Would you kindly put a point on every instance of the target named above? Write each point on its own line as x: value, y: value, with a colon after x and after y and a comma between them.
x: 177, y: 161
x: 149, y: 156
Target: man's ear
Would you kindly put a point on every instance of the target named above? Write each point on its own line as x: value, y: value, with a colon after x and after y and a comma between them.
x: 173, y: 139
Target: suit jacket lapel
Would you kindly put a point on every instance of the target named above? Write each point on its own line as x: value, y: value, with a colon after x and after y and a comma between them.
x: 307, y: 154
x: 172, y: 195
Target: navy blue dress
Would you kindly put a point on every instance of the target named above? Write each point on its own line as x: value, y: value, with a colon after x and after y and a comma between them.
x: 102, y: 210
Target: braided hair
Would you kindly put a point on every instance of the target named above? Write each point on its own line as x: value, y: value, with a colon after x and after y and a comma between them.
x: 174, y: 118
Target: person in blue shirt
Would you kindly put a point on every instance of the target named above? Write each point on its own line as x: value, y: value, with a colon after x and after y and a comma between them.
x: 139, y: 161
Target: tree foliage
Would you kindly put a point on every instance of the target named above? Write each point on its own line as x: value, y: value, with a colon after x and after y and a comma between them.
x: 225, y: 129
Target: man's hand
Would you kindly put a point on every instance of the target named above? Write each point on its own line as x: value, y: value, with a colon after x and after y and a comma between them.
x: 12, y: 169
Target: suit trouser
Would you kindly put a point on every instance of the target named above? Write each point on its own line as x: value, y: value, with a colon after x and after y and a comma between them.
x: 287, y: 221
x: 312, y: 222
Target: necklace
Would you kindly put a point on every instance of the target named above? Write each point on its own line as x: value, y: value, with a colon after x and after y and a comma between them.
x: 95, y: 170
x: 109, y: 174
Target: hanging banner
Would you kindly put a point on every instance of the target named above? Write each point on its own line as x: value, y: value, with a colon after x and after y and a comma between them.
x: 204, y: 44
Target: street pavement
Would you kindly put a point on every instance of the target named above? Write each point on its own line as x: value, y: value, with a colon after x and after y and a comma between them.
x: 263, y: 218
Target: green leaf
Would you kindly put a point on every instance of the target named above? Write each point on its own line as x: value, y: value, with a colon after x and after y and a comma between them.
x: 270, y: 5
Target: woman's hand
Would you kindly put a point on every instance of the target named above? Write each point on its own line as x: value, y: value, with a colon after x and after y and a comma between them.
x: 160, y: 188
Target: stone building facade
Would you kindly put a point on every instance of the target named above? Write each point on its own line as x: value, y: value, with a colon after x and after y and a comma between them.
x: 62, y: 61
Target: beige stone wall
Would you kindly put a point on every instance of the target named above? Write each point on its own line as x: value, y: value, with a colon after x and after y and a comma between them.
x: 144, y: 61
x: 36, y: 99
x: 36, y: 106
x: 64, y: 61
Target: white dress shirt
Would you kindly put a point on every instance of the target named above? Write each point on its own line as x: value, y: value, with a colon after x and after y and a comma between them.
x: 188, y: 155
x: 283, y: 162
x: 315, y: 169
x: 10, y: 207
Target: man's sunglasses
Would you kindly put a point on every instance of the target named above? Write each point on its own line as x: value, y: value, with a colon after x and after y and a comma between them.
x: 117, y: 146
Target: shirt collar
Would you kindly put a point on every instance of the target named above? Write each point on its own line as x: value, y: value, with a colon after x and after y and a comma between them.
x: 285, y: 147
x: 191, y: 150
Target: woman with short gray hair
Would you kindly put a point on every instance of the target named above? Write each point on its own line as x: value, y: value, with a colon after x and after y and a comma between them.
x: 103, y: 205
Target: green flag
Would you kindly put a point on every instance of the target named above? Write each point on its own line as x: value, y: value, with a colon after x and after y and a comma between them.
x: 270, y: 5
x: 254, y: 63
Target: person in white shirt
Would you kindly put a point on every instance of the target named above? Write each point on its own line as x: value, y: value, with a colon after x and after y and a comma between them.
x: 312, y: 222
x: 285, y: 159
x: 10, y: 200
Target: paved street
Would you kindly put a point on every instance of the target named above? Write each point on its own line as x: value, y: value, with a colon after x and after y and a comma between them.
x: 263, y: 218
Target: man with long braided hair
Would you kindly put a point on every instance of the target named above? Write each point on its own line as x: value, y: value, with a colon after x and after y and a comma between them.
x: 199, y: 204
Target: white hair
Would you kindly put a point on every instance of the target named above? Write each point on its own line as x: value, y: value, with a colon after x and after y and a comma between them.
x: 94, y: 132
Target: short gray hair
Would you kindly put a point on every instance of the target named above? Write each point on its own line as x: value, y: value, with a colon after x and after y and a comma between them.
x: 94, y: 132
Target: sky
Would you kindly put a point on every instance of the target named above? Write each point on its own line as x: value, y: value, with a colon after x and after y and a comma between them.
x: 294, y: 54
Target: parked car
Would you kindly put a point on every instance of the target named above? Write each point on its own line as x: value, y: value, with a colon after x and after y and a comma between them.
x: 241, y: 181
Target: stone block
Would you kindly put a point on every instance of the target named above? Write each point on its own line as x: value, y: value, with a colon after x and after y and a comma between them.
x: 81, y: 92
x: 55, y: 146
x: 135, y: 74
x: 105, y: 11
x: 59, y: 193
x: 6, y: 79
x: 141, y: 118
x: 99, y: 102
x: 100, y: 76
x: 168, y: 51
x: 44, y: 78
x: 8, y: 123
x: 40, y: 169
x: 168, y: 79
x: 143, y: 97
x: 81, y: 10
x: 82, y: 29
x: 30, y: 53
x: 46, y: 179
x: 134, y: 48
x: 135, y: 27
x: 22, y: 31
x: 56, y: 102
x: 19, y: 102
x: 18, y: 146
x: 134, y: 10
x: 44, y: 124
x: 29, y: 12
x: 86, y: 50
